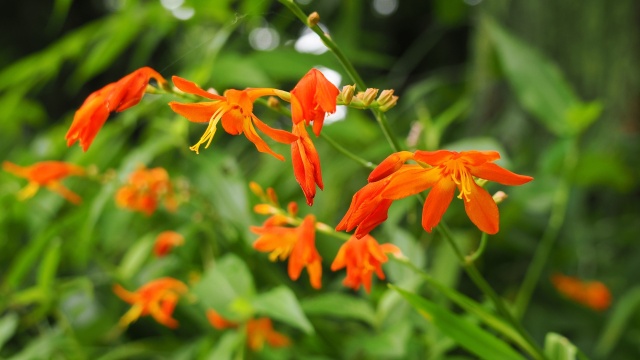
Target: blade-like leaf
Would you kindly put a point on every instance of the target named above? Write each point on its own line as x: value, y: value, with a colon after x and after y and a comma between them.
x: 281, y: 304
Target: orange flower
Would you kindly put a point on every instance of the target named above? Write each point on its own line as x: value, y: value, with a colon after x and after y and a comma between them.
x: 165, y: 241
x: 157, y: 298
x: 218, y: 322
x: 312, y: 98
x: 47, y: 174
x: 297, y: 244
x: 117, y: 96
x: 144, y: 190
x: 592, y: 294
x: 260, y: 331
x: 234, y: 110
x: 306, y: 163
x: 362, y: 257
x: 443, y: 171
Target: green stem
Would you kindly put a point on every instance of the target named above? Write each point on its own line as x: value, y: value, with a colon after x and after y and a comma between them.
x: 556, y: 219
x: 484, y: 286
x: 348, y: 67
x: 347, y: 153
x: 483, y: 244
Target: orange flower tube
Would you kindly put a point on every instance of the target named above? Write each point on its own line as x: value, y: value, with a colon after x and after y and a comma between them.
x: 115, y: 97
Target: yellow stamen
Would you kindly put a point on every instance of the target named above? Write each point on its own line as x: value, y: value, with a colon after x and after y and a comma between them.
x: 211, y: 129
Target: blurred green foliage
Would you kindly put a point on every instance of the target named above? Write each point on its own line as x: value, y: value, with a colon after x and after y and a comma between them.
x: 554, y: 87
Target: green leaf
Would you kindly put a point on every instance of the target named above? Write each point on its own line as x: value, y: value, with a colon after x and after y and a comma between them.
x: 623, y: 311
x: 223, y: 285
x: 539, y: 85
x: 8, y: 326
x: 135, y: 257
x: 227, y: 346
x: 466, y: 334
x: 340, y: 306
x: 282, y: 304
x: 558, y: 347
x: 49, y: 265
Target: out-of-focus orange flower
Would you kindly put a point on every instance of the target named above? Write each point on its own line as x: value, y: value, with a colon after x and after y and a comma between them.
x: 297, y: 244
x: 443, y: 171
x: 157, y: 298
x: 312, y: 98
x: 234, y: 110
x: 165, y: 241
x: 218, y: 322
x: 362, y: 257
x: 47, y: 174
x: 592, y: 294
x: 306, y: 163
x: 117, y: 96
x: 144, y: 189
x: 260, y: 331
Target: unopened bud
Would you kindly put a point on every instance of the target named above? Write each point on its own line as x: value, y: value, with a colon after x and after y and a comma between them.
x: 292, y: 209
x: 271, y: 195
x: 346, y: 95
x: 367, y: 96
x: 499, y: 197
x: 256, y: 189
x: 313, y: 19
x: 273, y: 103
x: 264, y: 209
x: 387, y: 100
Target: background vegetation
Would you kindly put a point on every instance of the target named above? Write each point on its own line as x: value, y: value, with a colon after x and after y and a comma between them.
x: 554, y: 87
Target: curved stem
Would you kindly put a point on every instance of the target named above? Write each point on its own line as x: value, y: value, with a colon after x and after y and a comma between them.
x: 483, y: 244
x: 484, y: 286
x: 556, y: 219
x: 347, y: 153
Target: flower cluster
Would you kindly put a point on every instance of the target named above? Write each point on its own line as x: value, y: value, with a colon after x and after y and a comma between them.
x: 259, y: 331
x: 284, y: 235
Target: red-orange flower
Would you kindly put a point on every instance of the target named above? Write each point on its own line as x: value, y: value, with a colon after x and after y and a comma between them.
x: 157, y: 298
x: 47, y: 174
x: 234, y: 110
x: 312, y: 98
x: 362, y: 257
x: 306, y: 163
x: 443, y: 171
x: 117, y: 96
x: 165, y: 241
x: 297, y: 244
x: 144, y: 190
x: 260, y: 331
x: 218, y: 322
x: 592, y: 294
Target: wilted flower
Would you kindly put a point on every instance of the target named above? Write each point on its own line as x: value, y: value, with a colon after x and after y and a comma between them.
x: 47, y: 174
x: 306, y: 163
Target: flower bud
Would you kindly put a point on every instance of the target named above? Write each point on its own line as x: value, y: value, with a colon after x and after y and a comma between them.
x: 346, y: 95
x: 387, y: 100
x: 499, y: 197
x: 256, y: 189
x: 292, y: 209
x: 273, y: 103
x: 367, y: 96
x: 313, y: 19
x: 271, y: 195
x: 265, y: 209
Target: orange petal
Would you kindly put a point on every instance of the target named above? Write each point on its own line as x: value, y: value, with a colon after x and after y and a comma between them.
x: 196, y: 112
x: 410, y: 180
x: 437, y: 203
x: 261, y: 145
x: 278, y: 135
x: 390, y: 165
x: 493, y: 172
x: 433, y: 158
x: 192, y: 88
x: 482, y: 210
